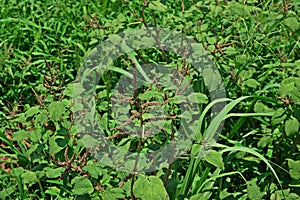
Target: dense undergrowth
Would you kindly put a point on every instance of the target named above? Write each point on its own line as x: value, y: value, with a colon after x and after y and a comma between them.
x: 254, y: 45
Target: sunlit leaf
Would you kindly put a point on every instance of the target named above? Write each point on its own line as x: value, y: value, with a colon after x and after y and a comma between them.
x: 56, y: 110
x: 294, y: 167
x: 253, y: 191
x: 215, y: 158
x: 291, y: 126
x: 292, y: 23
x: 150, y: 187
x: 158, y: 6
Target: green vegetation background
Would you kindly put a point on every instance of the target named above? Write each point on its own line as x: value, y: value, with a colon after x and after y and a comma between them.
x: 254, y: 44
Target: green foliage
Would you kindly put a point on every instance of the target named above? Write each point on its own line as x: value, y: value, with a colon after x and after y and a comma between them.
x: 255, y: 46
x: 82, y: 186
x: 294, y: 169
x: 150, y: 187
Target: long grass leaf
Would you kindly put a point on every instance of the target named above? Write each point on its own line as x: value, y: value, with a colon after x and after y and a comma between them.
x: 206, y: 109
x: 131, y: 55
x: 251, y: 151
x: 121, y: 71
x: 214, y: 125
x: 220, y: 176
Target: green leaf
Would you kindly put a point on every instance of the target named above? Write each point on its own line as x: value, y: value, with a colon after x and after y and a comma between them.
x: 251, y: 151
x: 198, y: 98
x: 279, y: 116
x: 121, y: 71
x: 69, y: 90
x: 291, y: 126
x: 148, y: 116
x: 56, y: 109
x: 53, y: 173
x: 215, y: 158
x: 284, y: 195
x: 137, y: 64
x: 77, y: 89
x: 211, y: 40
x: 41, y: 118
x: 252, y: 159
x: 7, y: 192
x: 150, y: 94
x: 88, y: 141
x: 239, y: 9
x: 253, y: 191
x: 259, y: 107
x: 29, y: 177
x: 95, y: 171
x: 21, y: 118
x: 215, y: 11
x: 246, y: 74
x: 285, y: 87
x: 185, y: 115
x: 264, y: 141
x: 66, y: 124
x: 252, y: 83
x: 231, y: 51
x: 121, y: 18
x: 201, y: 196
x: 292, y: 23
x: 178, y: 99
x: 158, y: 6
x: 290, y: 87
x: 195, y: 149
x: 82, y: 186
x: 53, y: 146
x: 20, y: 135
x: 53, y: 191
x: 150, y: 187
x: 113, y: 193
x: 18, y: 171
x: 36, y: 134
x: 294, y: 167
x: 32, y: 111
